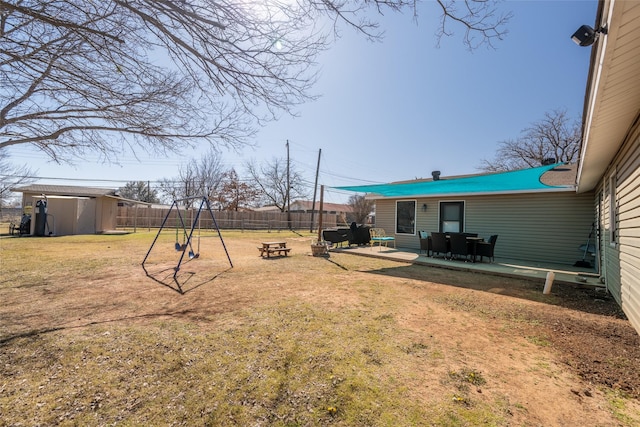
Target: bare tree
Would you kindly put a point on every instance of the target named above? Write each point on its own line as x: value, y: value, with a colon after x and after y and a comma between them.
x: 271, y: 180
x: 198, y: 177
x: 210, y: 172
x: 555, y: 138
x: 11, y: 176
x: 361, y: 207
x: 108, y: 75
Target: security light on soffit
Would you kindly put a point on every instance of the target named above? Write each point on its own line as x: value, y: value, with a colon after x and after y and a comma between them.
x: 586, y: 36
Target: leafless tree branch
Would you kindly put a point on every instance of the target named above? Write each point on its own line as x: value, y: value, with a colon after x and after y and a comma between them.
x: 87, y: 75
x: 482, y: 22
x: 271, y: 180
x: 554, y: 138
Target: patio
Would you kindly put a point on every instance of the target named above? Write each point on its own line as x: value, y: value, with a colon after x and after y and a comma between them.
x: 502, y: 267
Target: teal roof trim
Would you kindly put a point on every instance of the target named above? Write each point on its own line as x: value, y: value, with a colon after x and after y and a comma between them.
x: 524, y: 180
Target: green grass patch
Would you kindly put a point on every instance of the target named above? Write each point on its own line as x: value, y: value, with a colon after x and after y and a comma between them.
x: 462, y: 411
x: 465, y: 377
x: 618, y: 402
x: 538, y: 340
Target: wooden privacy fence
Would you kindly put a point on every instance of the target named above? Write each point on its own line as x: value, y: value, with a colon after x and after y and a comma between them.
x: 143, y: 217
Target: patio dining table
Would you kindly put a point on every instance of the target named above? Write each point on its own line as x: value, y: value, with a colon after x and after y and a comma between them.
x: 474, y: 245
x: 471, y: 240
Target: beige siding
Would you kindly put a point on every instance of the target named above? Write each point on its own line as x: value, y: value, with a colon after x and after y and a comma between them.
x: 541, y: 227
x: 610, y: 254
x: 61, y: 215
x: 538, y: 227
x: 85, y: 216
x: 106, y: 214
x: 621, y: 261
x: 386, y: 218
x: 610, y: 154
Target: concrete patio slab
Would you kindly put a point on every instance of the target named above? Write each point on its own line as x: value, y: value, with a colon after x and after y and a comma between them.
x: 502, y: 267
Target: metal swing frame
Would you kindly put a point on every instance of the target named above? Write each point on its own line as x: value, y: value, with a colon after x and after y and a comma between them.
x: 204, y: 202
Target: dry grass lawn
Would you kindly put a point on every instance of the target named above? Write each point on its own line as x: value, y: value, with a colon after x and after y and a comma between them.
x: 87, y: 338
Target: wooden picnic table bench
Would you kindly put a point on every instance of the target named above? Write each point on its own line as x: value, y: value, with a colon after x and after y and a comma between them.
x: 269, y: 248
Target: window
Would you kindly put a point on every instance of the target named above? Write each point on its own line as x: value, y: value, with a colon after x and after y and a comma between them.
x: 405, y: 217
x: 451, y: 217
x: 613, y: 211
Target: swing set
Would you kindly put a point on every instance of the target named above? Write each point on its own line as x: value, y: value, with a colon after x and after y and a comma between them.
x: 187, y: 233
x: 186, y: 241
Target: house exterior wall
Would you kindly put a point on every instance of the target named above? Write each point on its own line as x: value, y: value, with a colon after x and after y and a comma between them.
x: 538, y: 227
x: 618, y: 202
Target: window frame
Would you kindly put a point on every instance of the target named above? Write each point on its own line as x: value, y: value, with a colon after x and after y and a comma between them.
x: 462, y: 205
x: 613, y: 209
x: 411, y: 219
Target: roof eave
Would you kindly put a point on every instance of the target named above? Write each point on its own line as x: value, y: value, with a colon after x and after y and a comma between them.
x: 612, y: 98
x: 123, y: 199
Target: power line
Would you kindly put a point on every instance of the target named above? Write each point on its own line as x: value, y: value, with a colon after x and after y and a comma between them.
x: 75, y: 179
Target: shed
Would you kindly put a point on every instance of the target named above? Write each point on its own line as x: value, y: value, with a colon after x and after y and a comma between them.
x: 70, y: 209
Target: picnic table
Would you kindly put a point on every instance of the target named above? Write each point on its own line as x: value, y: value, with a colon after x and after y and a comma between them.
x: 269, y: 248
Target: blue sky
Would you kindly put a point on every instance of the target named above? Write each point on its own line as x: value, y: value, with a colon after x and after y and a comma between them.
x: 398, y: 109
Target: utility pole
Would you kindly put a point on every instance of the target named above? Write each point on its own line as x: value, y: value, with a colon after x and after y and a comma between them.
x: 320, y: 214
x: 288, y: 192
x: 315, y: 189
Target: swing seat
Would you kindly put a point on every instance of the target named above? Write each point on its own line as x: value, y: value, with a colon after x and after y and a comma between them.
x: 193, y: 255
x: 180, y: 248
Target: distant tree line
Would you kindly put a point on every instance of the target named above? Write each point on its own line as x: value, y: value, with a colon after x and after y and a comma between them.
x: 207, y: 176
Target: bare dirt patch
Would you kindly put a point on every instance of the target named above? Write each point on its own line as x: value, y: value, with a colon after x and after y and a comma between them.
x: 299, y: 340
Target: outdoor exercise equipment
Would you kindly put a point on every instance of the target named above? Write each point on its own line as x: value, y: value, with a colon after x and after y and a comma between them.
x: 188, y: 235
x: 42, y: 227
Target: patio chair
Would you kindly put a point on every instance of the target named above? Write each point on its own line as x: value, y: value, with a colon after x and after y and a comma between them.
x: 425, y: 242
x: 380, y: 236
x: 439, y: 244
x: 486, y: 248
x: 459, y: 247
